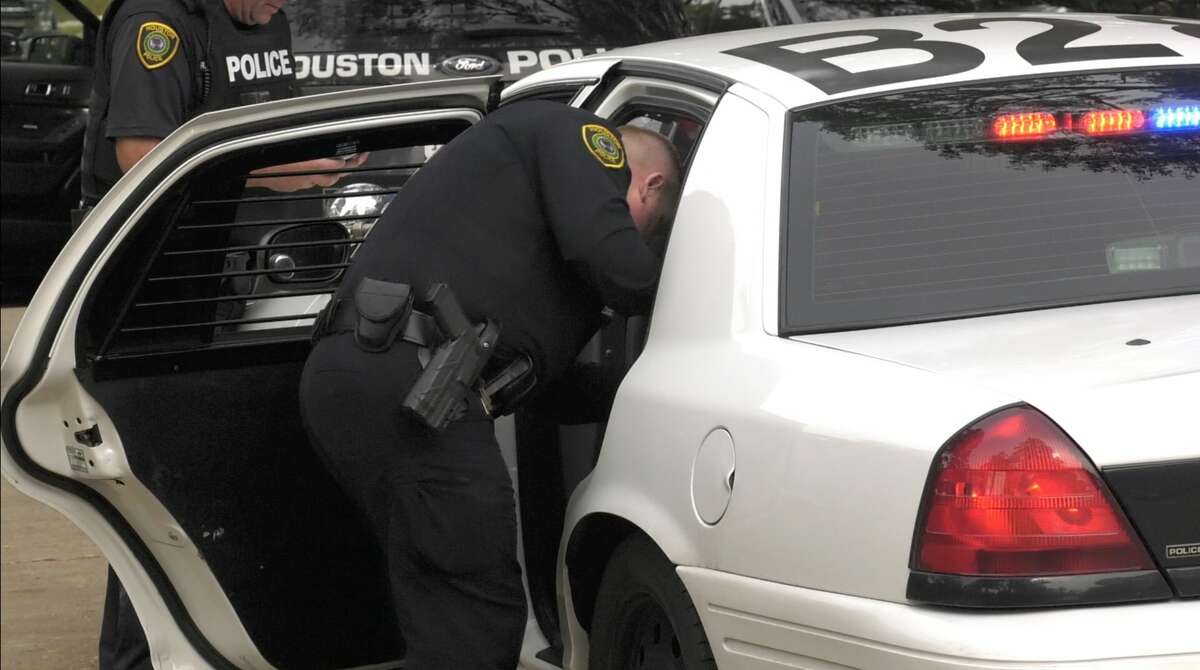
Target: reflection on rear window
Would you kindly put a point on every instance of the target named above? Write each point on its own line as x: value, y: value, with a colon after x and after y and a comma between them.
x: 993, y: 197
x: 474, y: 24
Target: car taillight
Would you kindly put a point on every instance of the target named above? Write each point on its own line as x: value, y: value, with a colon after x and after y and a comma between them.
x: 1012, y: 495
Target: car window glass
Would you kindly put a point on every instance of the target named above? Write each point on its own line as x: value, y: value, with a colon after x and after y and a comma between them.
x: 835, y: 10
x: 45, y: 33
x: 232, y: 264
x: 682, y: 130
x: 993, y: 197
x: 56, y: 50
x: 628, y: 336
x: 325, y: 25
x: 715, y: 16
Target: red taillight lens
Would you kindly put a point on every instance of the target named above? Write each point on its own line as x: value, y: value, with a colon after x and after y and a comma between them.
x: 1012, y: 495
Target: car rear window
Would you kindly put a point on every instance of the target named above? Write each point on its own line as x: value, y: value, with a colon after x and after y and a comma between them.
x: 992, y: 197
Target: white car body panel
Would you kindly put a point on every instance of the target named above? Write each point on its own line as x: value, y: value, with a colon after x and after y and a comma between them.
x: 997, y: 41
x: 1073, y: 363
x: 758, y: 625
x: 793, y: 410
x: 762, y: 389
x: 798, y: 415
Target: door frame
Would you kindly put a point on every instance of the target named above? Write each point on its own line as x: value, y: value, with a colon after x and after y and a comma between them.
x: 44, y: 342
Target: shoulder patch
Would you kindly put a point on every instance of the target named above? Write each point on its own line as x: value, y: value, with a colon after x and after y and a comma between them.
x: 604, y: 145
x: 157, y: 44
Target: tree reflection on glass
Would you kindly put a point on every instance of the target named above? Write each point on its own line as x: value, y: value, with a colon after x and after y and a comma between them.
x: 912, y: 116
x: 429, y: 24
x: 409, y: 25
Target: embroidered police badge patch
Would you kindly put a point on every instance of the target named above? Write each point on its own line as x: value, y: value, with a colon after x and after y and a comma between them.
x: 604, y: 145
x: 156, y: 44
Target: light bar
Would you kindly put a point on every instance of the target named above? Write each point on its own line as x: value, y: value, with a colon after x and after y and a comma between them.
x: 1024, y: 126
x: 1027, y: 126
x: 1175, y: 118
x: 1172, y: 251
x: 895, y: 134
x: 945, y: 131
x: 1130, y: 257
x: 1112, y: 121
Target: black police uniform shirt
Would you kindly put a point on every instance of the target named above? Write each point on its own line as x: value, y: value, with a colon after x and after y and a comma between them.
x: 150, y: 73
x: 524, y: 216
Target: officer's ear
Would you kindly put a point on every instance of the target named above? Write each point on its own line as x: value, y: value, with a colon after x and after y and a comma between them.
x: 653, y: 184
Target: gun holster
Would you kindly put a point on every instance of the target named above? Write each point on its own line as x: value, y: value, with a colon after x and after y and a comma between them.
x: 441, y: 393
x: 383, y: 309
x: 460, y: 350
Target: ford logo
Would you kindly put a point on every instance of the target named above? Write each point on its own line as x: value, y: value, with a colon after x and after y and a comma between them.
x: 469, y: 65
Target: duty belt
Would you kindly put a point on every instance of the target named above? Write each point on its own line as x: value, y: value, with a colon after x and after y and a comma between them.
x: 339, y: 317
x: 455, y: 351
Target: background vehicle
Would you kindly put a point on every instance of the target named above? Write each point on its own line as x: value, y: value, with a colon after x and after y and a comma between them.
x: 16, y: 16
x: 337, y: 44
x: 391, y: 41
x: 778, y: 445
x: 45, y: 85
x: 342, y: 44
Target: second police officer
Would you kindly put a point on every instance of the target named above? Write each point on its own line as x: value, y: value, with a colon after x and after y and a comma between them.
x: 163, y: 62
x: 160, y: 63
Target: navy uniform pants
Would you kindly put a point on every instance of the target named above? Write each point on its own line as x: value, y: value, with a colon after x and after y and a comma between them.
x: 123, y: 644
x: 440, y: 504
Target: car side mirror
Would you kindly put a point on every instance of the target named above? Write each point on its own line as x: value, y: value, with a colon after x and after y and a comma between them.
x: 55, y: 49
x: 9, y: 46
x: 306, y: 254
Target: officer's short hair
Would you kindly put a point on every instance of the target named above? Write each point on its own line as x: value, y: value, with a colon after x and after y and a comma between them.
x: 666, y: 152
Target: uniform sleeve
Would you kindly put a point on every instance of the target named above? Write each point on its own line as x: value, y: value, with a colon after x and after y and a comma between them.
x: 151, y: 84
x: 583, y: 394
x: 584, y: 177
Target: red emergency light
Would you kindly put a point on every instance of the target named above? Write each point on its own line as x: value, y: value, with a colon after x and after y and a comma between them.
x: 1112, y: 121
x: 1024, y: 126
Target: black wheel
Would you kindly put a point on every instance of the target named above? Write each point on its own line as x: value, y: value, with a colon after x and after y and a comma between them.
x: 644, y: 618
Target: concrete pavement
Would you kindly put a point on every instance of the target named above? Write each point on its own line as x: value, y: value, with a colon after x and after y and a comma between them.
x: 51, y: 578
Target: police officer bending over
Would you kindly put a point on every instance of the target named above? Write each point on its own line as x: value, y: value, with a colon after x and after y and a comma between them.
x: 484, y: 278
x: 158, y: 64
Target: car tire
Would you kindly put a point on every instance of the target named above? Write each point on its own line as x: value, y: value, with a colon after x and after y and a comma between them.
x: 644, y: 618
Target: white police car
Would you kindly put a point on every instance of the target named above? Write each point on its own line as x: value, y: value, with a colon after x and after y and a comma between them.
x: 918, y: 390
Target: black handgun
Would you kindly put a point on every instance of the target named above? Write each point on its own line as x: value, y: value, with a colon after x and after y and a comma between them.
x: 439, y: 395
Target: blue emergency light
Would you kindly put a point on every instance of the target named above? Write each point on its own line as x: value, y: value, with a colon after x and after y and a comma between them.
x: 1175, y: 118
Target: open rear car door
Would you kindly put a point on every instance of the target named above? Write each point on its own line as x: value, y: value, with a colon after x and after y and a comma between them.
x: 150, y: 392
